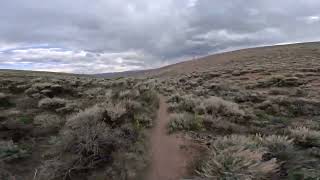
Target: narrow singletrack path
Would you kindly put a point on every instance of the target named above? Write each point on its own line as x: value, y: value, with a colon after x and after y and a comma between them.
x: 169, y: 161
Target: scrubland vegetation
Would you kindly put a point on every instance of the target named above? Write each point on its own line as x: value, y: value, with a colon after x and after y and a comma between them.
x: 68, y: 127
x: 256, y: 119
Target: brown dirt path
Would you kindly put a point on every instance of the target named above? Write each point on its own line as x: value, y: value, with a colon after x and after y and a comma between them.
x: 169, y: 161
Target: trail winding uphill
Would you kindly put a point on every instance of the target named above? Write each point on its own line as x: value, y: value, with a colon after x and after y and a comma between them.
x: 169, y: 160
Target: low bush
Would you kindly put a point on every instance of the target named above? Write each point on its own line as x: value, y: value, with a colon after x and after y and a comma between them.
x: 218, y: 106
x: 90, y: 141
x: 185, y: 121
x: 25, y: 119
x: 129, y: 94
x: 47, y: 120
x: 10, y: 151
x: 185, y: 103
x: 280, y: 81
x: 4, y: 101
x: 288, y: 106
x: 222, y: 125
x: 175, y: 98
x: 53, y: 169
x: 51, y: 103
x: 236, y: 157
x: 188, y: 104
x: 149, y: 98
x: 115, y: 113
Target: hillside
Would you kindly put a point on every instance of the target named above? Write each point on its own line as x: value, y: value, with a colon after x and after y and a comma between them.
x: 246, y: 114
x: 301, y: 51
x: 256, y: 111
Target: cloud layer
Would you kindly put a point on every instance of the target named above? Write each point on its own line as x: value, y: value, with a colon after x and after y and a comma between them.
x: 117, y: 35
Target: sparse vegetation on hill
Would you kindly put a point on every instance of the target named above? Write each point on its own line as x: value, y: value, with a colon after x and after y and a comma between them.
x: 74, y: 127
x: 255, y: 114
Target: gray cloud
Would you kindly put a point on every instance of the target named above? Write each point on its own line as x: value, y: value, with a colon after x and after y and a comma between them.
x: 117, y: 35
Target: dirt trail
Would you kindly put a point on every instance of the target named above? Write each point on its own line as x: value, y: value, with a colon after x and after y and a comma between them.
x: 169, y: 160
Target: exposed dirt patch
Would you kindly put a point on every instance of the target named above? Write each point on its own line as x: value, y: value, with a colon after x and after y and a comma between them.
x: 171, y: 154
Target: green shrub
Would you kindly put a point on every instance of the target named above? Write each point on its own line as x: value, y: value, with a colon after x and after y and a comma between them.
x: 188, y: 104
x: 292, y: 107
x: 185, y: 103
x: 247, y: 142
x: 175, y: 98
x: 4, y: 101
x: 25, y: 119
x: 10, y: 151
x: 223, y: 125
x: 185, y: 121
x: 52, y: 103
x: 47, y: 120
x: 218, y: 106
x: 128, y: 94
x: 149, y: 98
x: 304, y: 173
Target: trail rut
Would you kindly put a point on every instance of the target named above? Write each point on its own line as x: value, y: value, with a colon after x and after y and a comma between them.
x: 169, y: 161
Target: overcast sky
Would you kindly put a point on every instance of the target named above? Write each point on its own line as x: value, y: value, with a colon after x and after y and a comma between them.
x: 95, y: 36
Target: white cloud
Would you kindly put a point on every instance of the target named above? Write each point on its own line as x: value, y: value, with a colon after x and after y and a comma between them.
x: 223, y: 35
x: 59, y: 60
x: 114, y: 35
x: 192, y: 3
x: 313, y: 19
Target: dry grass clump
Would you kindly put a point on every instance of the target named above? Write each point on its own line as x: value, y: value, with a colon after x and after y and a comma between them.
x: 280, y: 147
x: 308, y: 123
x: 276, y: 143
x: 236, y: 157
x: 305, y: 137
x: 52, y: 103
